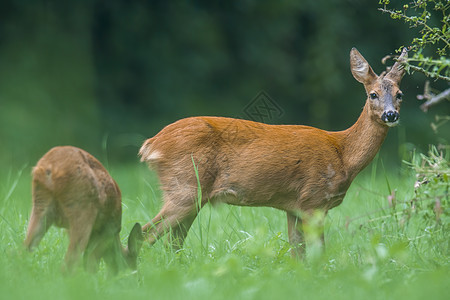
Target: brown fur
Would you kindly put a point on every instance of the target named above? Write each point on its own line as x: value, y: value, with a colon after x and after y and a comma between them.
x: 292, y: 168
x: 72, y: 189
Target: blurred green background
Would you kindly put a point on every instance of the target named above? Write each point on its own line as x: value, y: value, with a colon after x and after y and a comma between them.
x: 105, y: 75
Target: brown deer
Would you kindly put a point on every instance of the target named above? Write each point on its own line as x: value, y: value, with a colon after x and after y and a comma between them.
x: 298, y: 169
x: 72, y: 189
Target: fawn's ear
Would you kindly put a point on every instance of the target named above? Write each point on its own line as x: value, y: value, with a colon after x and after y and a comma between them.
x: 135, y: 240
x: 361, y: 69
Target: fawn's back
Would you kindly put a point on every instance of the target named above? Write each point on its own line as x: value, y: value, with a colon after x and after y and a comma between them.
x: 71, y: 189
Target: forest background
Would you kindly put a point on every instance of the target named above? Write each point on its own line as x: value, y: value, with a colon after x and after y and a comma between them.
x: 106, y: 75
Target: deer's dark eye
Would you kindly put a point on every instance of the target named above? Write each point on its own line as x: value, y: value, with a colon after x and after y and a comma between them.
x: 399, y: 96
x: 373, y: 96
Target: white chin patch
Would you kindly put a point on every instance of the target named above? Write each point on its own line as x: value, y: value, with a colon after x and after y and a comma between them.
x: 391, y: 124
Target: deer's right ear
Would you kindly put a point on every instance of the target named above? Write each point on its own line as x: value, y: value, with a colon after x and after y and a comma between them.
x: 361, y: 69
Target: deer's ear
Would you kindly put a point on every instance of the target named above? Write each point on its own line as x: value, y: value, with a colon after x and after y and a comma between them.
x: 361, y: 69
x: 398, y: 70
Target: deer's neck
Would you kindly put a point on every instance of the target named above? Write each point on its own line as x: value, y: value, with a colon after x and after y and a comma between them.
x: 361, y: 142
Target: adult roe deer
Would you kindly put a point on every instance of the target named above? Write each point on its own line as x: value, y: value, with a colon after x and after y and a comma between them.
x: 72, y: 189
x: 298, y: 169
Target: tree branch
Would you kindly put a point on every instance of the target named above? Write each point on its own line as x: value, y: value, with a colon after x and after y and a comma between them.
x: 431, y: 98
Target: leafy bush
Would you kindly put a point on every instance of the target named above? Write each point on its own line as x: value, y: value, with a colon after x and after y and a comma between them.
x: 431, y: 188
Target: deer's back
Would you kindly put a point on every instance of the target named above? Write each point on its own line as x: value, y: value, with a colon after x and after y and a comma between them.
x: 248, y: 163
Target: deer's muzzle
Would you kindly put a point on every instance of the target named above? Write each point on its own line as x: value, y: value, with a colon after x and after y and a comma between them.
x: 390, y: 117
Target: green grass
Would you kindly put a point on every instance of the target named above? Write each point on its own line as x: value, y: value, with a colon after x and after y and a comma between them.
x: 373, y: 251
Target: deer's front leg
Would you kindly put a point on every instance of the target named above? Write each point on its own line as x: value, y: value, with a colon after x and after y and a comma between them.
x: 296, y: 235
x: 313, y: 227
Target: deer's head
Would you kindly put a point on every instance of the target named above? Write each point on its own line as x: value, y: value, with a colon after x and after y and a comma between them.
x: 383, y: 92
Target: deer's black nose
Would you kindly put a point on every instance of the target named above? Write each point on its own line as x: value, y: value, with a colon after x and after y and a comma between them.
x: 390, y: 116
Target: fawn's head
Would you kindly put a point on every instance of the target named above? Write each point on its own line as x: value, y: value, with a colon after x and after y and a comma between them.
x: 383, y: 92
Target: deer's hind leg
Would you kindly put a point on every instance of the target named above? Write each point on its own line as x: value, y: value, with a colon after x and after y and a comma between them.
x: 180, y: 231
x: 175, y: 218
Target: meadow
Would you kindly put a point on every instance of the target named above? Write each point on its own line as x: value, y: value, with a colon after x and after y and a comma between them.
x: 389, y: 239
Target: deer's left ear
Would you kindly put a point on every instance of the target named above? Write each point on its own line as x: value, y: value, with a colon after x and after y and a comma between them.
x: 398, y: 69
x: 361, y: 69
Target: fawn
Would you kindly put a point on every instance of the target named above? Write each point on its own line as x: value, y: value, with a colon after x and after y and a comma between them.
x: 72, y: 189
x: 298, y: 169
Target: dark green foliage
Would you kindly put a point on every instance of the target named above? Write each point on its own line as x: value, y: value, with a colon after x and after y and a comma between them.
x: 104, y: 75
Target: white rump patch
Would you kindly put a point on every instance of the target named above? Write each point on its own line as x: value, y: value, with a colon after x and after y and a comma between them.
x: 154, y: 155
x: 147, y: 154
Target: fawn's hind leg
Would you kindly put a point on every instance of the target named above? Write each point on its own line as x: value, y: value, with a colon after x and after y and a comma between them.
x: 80, y: 229
x: 39, y: 223
x: 41, y: 218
